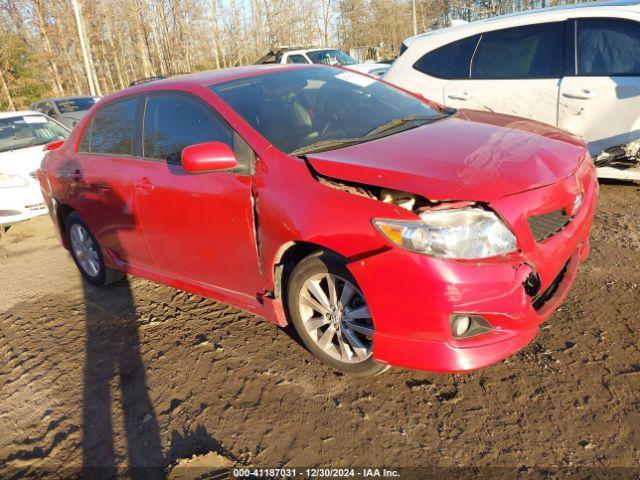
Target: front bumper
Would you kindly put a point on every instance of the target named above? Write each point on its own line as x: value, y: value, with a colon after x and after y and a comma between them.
x: 411, y: 296
x: 21, y: 203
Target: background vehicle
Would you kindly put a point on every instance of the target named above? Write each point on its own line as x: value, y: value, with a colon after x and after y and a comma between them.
x: 22, y: 137
x: 325, y: 56
x: 66, y: 110
x: 388, y: 230
x: 575, y: 67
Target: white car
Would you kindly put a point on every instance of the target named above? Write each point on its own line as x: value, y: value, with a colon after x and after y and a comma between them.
x: 577, y: 67
x: 22, y: 139
x: 327, y: 56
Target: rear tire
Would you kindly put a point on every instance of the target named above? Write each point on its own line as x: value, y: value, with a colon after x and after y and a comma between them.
x: 87, y: 253
x: 331, y: 316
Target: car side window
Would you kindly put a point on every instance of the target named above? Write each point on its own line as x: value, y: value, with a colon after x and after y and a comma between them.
x: 608, y: 47
x: 523, y: 52
x: 111, y: 129
x: 450, y: 61
x: 49, y: 110
x: 296, y: 59
x: 175, y: 121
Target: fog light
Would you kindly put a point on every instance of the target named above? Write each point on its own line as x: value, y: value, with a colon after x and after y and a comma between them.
x: 465, y: 326
x: 461, y: 325
x: 577, y: 202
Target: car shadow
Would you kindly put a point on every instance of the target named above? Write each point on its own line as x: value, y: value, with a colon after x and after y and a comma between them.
x: 112, y: 354
x: 114, y: 371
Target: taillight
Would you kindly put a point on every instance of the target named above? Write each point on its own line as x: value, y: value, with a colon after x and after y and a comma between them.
x: 53, y: 145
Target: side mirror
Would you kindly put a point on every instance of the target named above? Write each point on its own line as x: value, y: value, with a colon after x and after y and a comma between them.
x: 206, y: 157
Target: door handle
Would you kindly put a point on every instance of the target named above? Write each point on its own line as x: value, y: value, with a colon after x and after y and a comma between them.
x: 581, y: 95
x: 459, y: 96
x: 144, y: 185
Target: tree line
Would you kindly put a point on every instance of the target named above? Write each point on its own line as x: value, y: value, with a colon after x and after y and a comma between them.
x: 94, y: 47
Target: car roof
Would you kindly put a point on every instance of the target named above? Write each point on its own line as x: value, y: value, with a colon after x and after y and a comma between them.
x: 19, y: 113
x: 542, y: 12
x: 53, y: 99
x: 209, y: 78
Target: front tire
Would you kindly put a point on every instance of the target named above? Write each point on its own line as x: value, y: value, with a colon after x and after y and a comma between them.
x: 87, y: 253
x: 331, y: 316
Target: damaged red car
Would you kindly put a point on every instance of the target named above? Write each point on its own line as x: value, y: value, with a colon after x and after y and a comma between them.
x: 388, y: 229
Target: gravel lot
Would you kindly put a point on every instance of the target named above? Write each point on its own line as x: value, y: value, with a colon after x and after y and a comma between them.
x: 141, y: 374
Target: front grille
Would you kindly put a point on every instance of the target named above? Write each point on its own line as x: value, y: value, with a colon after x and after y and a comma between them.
x: 33, y: 175
x: 548, y: 224
x: 551, y: 290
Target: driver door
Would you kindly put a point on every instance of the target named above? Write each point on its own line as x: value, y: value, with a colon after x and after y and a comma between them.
x: 199, y: 226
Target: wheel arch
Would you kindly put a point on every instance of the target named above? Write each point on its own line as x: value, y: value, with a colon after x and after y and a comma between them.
x: 62, y: 213
x: 288, y: 256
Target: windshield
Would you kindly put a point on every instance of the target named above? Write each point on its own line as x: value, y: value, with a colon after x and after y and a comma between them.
x: 328, y: 107
x: 29, y: 130
x: 69, y: 105
x: 331, y: 57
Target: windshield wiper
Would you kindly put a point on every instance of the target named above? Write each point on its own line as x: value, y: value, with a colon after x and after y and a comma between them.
x: 323, y: 145
x: 397, y: 122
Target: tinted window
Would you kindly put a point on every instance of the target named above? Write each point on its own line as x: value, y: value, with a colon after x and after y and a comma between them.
x: 79, y: 104
x: 173, y: 122
x: 49, y: 110
x: 524, y: 52
x: 608, y: 47
x: 296, y: 59
x: 450, y: 61
x: 111, y: 129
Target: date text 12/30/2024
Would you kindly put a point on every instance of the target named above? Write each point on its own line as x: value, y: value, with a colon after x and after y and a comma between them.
x: 315, y: 473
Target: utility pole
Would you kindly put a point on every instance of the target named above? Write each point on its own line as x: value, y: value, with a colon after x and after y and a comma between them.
x: 415, y: 19
x: 83, y: 47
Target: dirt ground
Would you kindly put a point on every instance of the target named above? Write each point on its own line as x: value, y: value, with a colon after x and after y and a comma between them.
x: 140, y: 374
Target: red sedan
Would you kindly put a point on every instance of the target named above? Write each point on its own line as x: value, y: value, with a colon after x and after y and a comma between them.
x: 389, y: 230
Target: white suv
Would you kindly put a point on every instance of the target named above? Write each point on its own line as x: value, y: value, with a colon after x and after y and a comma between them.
x: 575, y: 67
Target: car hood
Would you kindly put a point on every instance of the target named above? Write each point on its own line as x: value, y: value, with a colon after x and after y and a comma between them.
x: 368, y: 67
x: 71, y: 119
x: 23, y: 161
x: 470, y: 155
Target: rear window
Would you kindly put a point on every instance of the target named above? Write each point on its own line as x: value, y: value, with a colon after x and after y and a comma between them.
x: 69, y: 105
x: 608, y: 47
x: 111, y: 129
x: 451, y: 61
x: 523, y: 52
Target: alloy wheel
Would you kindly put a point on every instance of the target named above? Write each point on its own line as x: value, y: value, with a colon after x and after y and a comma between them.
x: 85, y: 250
x: 336, y: 316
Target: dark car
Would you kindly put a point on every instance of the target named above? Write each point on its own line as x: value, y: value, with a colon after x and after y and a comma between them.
x: 66, y: 110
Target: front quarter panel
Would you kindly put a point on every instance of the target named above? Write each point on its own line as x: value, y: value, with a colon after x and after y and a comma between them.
x: 292, y: 206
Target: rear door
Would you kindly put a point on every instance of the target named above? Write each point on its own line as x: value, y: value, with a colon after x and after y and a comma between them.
x: 516, y: 71
x: 199, y: 226
x: 101, y: 180
x: 601, y: 99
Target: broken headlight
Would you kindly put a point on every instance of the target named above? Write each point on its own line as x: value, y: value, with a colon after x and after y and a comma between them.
x: 466, y: 233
